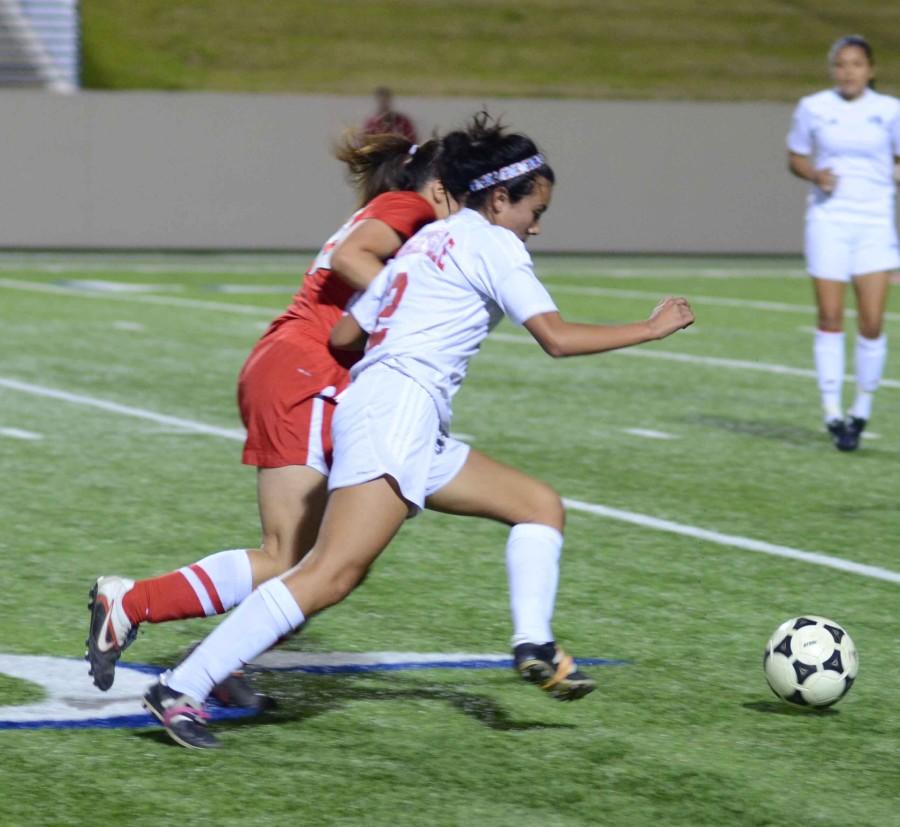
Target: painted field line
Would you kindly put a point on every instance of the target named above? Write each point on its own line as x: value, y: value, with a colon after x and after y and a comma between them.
x: 270, y: 313
x: 122, y: 410
x: 692, y: 359
x: 583, y: 270
x: 166, y: 301
x: 713, y: 301
x: 734, y: 541
x: 18, y: 433
x: 648, y: 433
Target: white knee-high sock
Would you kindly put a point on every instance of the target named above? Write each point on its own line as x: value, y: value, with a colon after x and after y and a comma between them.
x: 266, y: 615
x: 231, y: 575
x: 828, y: 349
x: 871, y: 354
x: 532, y: 564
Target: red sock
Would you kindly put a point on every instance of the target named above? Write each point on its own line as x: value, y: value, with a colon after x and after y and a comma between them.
x: 171, y: 597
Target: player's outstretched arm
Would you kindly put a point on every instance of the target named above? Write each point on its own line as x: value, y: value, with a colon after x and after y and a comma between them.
x: 361, y: 255
x: 561, y: 338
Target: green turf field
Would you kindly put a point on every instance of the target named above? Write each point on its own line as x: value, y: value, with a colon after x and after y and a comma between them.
x: 686, y: 733
x: 640, y: 50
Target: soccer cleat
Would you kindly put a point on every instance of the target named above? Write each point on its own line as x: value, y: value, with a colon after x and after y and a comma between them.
x: 548, y: 666
x: 838, y: 430
x: 236, y: 690
x: 111, y: 632
x: 846, y: 433
x: 182, y: 716
x: 852, y: 432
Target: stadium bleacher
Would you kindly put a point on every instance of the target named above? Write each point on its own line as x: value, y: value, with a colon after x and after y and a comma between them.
x: 39, y: 44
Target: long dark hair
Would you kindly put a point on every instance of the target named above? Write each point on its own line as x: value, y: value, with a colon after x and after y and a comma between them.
x: 484, y: 146
x: 386, y: 163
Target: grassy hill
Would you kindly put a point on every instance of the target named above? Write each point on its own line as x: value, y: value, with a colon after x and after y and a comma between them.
x: 622, y: 49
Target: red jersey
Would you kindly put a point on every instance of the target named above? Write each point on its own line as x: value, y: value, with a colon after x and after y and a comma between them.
x: 288, y: 385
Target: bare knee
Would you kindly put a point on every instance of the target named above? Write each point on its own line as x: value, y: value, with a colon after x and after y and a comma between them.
x: 546, y: 507
x: 830, y: 322
x: 870, y: 329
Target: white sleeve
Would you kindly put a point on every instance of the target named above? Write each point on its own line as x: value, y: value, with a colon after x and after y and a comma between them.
x: 365, y: 307
x: 895, y: 130
x: 507, y: 276
x: 800, y: 139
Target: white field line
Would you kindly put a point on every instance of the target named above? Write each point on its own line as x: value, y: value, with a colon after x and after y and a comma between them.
x: 713, y: 301
x: 710, y: 361
x: 731, y: 540
x: 122, y: 410
x: 735, y: 541
x: 167, y: 301
x: 18, y: 433
x: 649, y: 433
x: 270, y: 312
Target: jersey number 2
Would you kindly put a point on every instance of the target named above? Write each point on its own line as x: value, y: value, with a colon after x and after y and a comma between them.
x: 398, y: 288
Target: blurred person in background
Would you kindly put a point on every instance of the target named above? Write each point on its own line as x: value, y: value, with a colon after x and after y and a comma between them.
x: 386, y: 120
x: 846, y: 141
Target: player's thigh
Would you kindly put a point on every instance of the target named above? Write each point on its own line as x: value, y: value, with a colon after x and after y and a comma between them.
x: 829, y: 303
x: 291, y: 502
x: 359, y: 522
x: 828, y: 247
x: 485, y: 487
x: 871, y: 299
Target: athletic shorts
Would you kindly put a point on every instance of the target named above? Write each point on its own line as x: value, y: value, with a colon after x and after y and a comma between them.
x: 286, y: 395
x: 388, y: 425
x: 837, y: 251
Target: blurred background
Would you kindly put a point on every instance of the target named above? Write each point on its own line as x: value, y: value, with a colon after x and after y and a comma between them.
x: 209, y: 124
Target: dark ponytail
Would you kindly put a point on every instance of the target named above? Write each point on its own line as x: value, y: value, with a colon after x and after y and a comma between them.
x: 485, y: 147
x: 387, y: 163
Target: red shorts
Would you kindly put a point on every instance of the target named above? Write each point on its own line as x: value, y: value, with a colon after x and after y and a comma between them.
x: 286, y: 394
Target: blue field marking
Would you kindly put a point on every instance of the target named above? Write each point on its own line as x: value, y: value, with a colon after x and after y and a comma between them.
x: 142, y: 719
x: 71, y: 702
x: 408, y: 666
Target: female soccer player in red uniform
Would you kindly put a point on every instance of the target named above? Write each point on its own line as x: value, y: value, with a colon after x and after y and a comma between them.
x: 287, y: 394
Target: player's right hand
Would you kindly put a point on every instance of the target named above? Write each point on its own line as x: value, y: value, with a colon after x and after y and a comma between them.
x: 825, y: 180
x: 671, y: 314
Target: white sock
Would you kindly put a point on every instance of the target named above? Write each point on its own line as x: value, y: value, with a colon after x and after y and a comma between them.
x: 871, y: 354
x: 828, y: 350
x: 266, y: 615
x: 532, y: 564
x: 231, y: 576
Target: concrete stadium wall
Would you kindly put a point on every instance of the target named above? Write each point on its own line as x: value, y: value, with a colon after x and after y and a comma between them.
x: 202, y: 171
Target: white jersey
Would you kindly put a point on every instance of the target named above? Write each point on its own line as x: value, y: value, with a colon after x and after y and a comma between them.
x: 857, y: 140
x: 429, y: 310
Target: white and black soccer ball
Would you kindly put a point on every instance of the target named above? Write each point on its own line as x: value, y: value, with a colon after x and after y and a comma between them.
x: 810, y: 661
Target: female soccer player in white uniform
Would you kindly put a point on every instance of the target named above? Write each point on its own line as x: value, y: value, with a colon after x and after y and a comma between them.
x: 427, y: 314
x: 845, y: 141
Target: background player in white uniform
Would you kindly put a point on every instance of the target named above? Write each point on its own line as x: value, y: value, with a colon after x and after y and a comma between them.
x: 845, y: 141
x: 427, y: 314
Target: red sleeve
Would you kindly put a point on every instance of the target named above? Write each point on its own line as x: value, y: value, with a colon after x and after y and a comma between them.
x: 403, y: 212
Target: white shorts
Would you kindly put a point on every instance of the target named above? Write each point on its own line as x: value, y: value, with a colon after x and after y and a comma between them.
x: 387, y: 424
x: 836, y: 250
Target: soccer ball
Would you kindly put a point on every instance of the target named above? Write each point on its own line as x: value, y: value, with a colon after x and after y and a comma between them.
x: 810, y: 661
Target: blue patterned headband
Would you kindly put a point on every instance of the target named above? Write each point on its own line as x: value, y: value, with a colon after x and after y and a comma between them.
x: 489, y: 179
